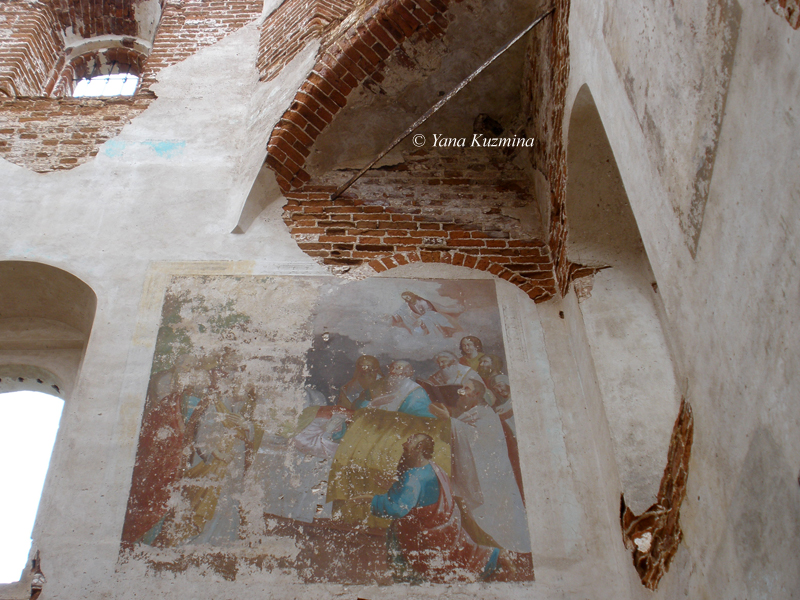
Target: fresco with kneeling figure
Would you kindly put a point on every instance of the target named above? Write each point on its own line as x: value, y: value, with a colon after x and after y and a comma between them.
x: 345, y: 431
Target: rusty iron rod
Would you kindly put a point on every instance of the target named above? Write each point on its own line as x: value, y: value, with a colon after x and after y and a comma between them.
x: 433, y: 109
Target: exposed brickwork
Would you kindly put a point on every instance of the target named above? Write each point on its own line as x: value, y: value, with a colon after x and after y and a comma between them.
x: 293, y: 24
x: 30, y: 47
x: 90, y: 18
x: 788, y: 9
x: 451, y: 209
x: 32, y: 57
x: 49, y: 134
x: 654, y: 536
x: 189, y: 25
x: 433, y: 209
x: 557, y: 155
x: 545, y: 86
x: 359, y: 53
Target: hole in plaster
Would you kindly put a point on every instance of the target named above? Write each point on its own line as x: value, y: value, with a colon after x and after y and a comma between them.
x: 561, y: 314
x: 28, y: 428
x: 38, y: 580
x: 644, y: 542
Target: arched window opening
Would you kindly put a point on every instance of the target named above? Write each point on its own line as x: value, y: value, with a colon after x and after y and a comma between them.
x: 101, y: 73
x: 28, y: 427
x: 46, y: 317
x: 54, y: 34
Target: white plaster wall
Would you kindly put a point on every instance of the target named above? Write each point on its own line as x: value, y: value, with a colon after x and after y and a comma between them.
x: 733, y: 311
x: 169, y: 187
x: 636, y: 378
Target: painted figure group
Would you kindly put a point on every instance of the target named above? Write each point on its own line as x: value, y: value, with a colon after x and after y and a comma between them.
x: 429, y: 459
x: 455, y: 521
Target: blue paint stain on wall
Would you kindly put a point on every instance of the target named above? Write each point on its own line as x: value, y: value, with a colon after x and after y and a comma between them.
x: 166, y: 148
x: 163, y: 148
x: 113, y: 148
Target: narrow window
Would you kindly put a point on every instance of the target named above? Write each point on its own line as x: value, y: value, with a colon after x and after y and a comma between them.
x: 28, y: 427
x: 116, y: 84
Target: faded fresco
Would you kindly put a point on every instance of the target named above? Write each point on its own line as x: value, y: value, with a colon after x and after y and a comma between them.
x: 348, y: 432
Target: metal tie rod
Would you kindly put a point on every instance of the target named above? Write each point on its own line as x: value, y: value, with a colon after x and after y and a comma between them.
x: 432, y: 110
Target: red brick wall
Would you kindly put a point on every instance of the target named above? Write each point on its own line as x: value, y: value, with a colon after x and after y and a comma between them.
x: 557, y: 154
x: 451, y: 209
x: 435, y: 209
x: 33, y: 45
x: 48, y: 134
x: 51, y: 134
x: 294, y: 23
x: 90, y: 18
x: 544, y: 98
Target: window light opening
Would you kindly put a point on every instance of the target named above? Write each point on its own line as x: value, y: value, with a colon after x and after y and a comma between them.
x: 116, y: 84
x: 28, y: 428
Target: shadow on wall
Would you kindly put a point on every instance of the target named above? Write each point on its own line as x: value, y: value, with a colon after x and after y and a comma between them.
x: 620, y: 307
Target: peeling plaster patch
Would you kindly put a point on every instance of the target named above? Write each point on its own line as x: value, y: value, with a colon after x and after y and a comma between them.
x: 788, y: 9
x: 583, y: 287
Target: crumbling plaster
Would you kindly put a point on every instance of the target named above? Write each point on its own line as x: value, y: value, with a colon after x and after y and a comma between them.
x: 169, y: 188
x: 732, y: 310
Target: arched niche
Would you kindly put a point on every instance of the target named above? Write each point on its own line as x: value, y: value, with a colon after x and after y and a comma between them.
x: 620, y: 307
x: 36, y: 290
x: 46, y: 317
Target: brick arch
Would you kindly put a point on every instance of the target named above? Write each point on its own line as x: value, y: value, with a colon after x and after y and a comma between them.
x: 345, y: 63
x: 537, y: 293
x: 429, y: 209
